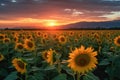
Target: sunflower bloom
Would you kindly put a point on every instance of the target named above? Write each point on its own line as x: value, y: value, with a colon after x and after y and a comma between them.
x: 2, y: 36
x: 117, y: 41
x: 71, y: 33
x: 50, y: 57
x: 6, y: 40
x: 29, y: 45
x: 19, y: 65
x: 44, y: 54
x: 19, y: 47
x: 45, y: 36
x: 1, y: 57
x: 82, y: 60
x: 15, y: 39
x: 62, y: 39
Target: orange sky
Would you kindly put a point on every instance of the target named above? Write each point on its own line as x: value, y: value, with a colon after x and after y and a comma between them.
x: 56, y: 12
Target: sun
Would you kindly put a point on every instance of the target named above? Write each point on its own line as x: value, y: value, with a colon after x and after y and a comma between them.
x: 51, y: 23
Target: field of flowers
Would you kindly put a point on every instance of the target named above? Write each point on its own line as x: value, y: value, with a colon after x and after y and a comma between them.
x: 60, y: 55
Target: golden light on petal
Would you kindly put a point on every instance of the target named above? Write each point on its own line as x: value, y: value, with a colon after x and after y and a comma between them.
x: 19, y: 65
x: 82, y: 60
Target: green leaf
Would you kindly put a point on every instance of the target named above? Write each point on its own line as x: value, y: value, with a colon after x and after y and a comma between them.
x: 90, y: 76
x: 3, y: 72
x: 36, y: 76
x: 60, y: 77
x: 50, y: 67
x: 32, y: 78
x: 104, y: 62
x: 68, y: 70
x: 11, y: 76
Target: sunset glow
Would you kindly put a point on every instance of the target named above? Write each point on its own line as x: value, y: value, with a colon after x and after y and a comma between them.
x: 51, y: 24
x: 56, y: 12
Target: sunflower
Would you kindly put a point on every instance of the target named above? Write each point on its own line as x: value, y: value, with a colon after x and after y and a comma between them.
x: 39, y: 34
x: 43, y: 41
x: 45, y: 36
x: 96, y: 36
x: 50, y: 57
x: 117, y: 41
x: 6, y: 40
x: 19, y: 47
x: 29, y: 45
x: 71, y: 33
x: 19, y: 65
x: 82, y: 60
x: 15, y: 39
x: 62, y: 39
x: 44, y: 54
x: 2, y: 36
x: 1, y: 57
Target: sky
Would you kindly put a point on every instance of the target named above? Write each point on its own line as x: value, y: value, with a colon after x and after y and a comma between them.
x: 56, y: 12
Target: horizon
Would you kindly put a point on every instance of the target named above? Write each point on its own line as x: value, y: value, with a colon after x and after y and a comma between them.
x: 51, y: 13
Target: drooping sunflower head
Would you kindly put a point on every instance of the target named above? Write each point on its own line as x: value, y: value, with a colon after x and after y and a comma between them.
x: 19, y: 47
x: 19, y: 65
x: 117, y: 41
x: 29, y: 45
x: 62, y: 39
x: 1, y: 57
x: 51, y: 56
x: 82, y: 60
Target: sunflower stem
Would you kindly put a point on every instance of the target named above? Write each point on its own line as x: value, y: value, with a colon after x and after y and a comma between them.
x: 78, y: 76
x: 26, y: 75
x: 59, y: 66
x: 73, y: 76
x: 20, y: 78
x: 35, y: 56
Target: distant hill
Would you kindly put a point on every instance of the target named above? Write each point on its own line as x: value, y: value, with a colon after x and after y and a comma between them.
x: 94, y: 25
x: 80, y: 25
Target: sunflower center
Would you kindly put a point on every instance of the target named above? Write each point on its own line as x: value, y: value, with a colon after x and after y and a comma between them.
x: 20, y: 46
x: 0, y: 56
x: 82, y: 60
x: 1, y: 37
x: 45, y: 55
x: 6, y: 40
x: 21, y: 64
x: 118, y: 41
x: 30, y: 44
x: 39, y: 33
x: 62, y: 39
x: 15, y: 39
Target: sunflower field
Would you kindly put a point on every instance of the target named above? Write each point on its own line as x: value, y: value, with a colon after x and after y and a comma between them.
x: 59, y: 55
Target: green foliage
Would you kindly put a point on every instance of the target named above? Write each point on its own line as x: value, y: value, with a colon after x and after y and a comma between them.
x: 60, y: 77
x: 36, y: 76
x: 11, y: 76
x: 90, y: 76
x: 39, y: 69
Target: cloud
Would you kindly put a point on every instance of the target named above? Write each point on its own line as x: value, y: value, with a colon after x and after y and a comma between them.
x: 58, y: 9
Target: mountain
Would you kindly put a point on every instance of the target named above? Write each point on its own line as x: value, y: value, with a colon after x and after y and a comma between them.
x: 80, y: 25
x: 93, y: 25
